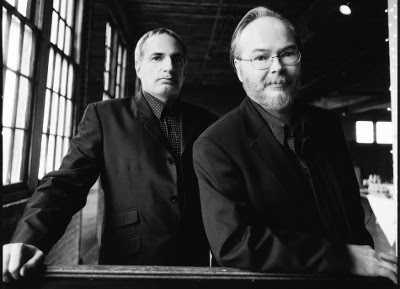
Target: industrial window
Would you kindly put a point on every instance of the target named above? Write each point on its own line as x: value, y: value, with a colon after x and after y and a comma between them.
x: 34, y: 33
x: 370, y: 132
x: 61, y: 75
x: 384, y: 132
x: 20, y: 29
x: 115, y: 64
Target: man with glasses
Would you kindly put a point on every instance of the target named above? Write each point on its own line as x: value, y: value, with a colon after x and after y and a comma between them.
x: 277, y: 186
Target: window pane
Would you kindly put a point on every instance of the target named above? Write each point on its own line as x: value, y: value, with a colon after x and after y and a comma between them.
x: 46, y: 111
x: 384, y: 132
x: 9, y: 98
x: 22, y: 107
x: 22, y: 6
x: 70, y: 12
x: 57, y: 70
x: 63, y: 8
x: 56, y: 4
x: 54, y: 27
x: 4, y: 29
x: 12, y: 2
x: 123, y: 74
x: 108, y: 35
x: 67, y: 46
x: 50, y: 154
x: 118, y: 80
x: 64, y: 75
x: 119, y: 54
x: 58, y: 156
x: 68, y: 118
x: 364, y: 132
x: 108, y: 56
x: 50, y: 69
x: 117, y: 91
x: 78, y: 29
x: 70, y: 81
x: 13, y: 57
x: 16, y: 175
x: 65, y: 145
x: 61, y: 114
x: 43, y: 149
x: 105, y: 80
x: 27, y: 52
x: 61, y: 30
x: 54, y: 113
x: 7, y: 133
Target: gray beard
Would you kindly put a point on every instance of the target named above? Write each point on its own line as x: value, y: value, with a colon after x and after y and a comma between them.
x: 280, y: 102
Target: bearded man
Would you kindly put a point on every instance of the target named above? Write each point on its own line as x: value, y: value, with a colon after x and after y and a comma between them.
x: 277, y: 186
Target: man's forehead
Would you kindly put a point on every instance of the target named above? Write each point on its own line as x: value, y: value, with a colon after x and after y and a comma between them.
x: 160, y: 44
x: 264, y: 32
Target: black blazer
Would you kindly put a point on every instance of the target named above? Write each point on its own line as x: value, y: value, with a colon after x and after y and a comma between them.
x: 152, y: 211
x: 255, y: 204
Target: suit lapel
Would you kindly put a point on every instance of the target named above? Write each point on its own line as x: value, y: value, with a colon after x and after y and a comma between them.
x: 269, y: 150
x: 151, y: 122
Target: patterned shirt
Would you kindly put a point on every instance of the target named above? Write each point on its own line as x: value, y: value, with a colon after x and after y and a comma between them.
x: 169, y: 121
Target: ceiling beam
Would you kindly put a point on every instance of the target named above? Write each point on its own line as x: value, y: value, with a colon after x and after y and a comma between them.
x: 207, y: 56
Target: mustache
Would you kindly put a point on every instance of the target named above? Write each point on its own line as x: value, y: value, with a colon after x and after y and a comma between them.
x: 280, y: 79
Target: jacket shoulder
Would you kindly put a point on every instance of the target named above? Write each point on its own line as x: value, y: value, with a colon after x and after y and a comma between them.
x: 228, y: 124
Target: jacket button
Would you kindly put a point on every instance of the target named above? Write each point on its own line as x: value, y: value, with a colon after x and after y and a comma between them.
x: 173, y: 198
x: 170, y: 160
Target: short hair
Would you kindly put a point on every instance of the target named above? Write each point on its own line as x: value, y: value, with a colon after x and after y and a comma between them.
x: 158, y: 31
x: 252, y: 15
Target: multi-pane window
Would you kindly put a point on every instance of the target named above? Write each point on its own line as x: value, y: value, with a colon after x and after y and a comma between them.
x: 20, y: 32
x: 61, y: 75
x: 115, y: 64
x: 379, y: 132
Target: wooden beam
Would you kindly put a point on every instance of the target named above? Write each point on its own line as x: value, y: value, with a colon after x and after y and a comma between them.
x: 121, y: 277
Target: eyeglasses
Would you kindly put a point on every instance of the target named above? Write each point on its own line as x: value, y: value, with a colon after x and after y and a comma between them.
x: 264, y: 61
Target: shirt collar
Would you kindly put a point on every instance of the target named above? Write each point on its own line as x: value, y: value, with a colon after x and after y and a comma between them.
x: 279, y: 129
x: 158, y: 107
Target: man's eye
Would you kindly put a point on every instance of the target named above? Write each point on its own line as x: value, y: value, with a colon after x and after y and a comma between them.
x: 156, y: 58
x: 261, y: 58
x: 287, y: 54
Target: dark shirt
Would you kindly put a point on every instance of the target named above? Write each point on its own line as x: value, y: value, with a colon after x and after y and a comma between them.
x: 169, y: 121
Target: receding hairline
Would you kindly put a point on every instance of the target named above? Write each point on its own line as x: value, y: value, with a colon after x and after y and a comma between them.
x: 148, y: 40
x: 139, y: 49
x: 284, y: 24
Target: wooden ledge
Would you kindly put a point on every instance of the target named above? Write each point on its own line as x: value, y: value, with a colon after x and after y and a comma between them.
x: 84, y: 276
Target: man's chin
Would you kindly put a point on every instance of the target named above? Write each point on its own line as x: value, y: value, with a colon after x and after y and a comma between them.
x: 276, y: 100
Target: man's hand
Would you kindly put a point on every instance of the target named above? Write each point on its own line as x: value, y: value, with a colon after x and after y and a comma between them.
x: 19, y: 260
x: 367, y: 262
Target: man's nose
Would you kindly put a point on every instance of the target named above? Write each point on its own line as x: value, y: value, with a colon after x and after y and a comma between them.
x: 276, y: 64
x: 168, y: 64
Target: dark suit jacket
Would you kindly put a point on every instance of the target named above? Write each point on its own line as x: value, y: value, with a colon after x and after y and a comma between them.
x: 257, y: 212
x: 152, y: 210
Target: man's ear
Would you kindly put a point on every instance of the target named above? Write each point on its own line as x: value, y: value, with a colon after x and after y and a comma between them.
x: 238, y: 69
x: 137, y: 68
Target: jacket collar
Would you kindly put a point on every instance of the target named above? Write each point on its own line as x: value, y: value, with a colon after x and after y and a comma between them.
x: 269, y: 150
x: 152, y: 123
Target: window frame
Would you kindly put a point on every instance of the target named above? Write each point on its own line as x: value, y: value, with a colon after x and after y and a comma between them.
x: 41, y: 16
